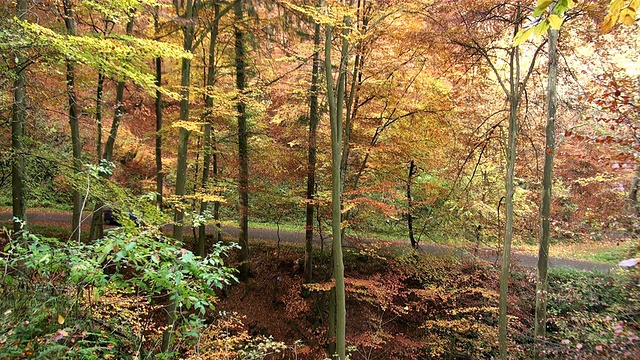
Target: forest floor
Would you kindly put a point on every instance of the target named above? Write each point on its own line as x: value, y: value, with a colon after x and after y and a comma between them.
x: 523, y: 258
x: 436, y: 303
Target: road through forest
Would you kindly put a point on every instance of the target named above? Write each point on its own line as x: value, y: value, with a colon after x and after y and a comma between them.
x: 297, y: 237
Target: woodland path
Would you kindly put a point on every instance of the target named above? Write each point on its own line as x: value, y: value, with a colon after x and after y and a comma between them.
x: 297, y: 237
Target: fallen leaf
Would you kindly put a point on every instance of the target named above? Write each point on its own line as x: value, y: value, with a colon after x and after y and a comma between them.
x: 629, y: 263
x: 61, y: 334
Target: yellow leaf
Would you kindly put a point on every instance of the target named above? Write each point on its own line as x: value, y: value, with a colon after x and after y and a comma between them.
x: 615, y: 6
x: 60, y: 319
x: 522, y: 36
x: 634, y: 5
x: 608, y: 22
x: 191, y: 126
x: 544, y: 3
x: 555, y: 21
x: 627, y: 16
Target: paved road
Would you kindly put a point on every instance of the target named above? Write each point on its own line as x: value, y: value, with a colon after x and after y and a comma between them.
x: 298, y: 237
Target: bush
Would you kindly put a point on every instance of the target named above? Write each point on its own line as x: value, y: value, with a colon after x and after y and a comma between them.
x: 53, y: 293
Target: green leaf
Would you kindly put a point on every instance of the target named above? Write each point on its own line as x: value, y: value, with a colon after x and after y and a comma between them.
x: 541, y: 28
x: 541, y: 7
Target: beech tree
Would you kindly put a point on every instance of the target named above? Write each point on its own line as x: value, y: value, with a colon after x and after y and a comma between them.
x: 513, y: 85
x: 314, y: 119
x: 78, y: 200
x: 550, y: 15
x: 158, y: 108
x: 18, y: 119
x: 336, y: 98
x: 545, y: 211
x: 243, y: 155
x: 210, y: 150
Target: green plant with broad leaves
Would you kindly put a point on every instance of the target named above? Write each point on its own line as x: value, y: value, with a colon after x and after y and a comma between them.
x: 51, y: 304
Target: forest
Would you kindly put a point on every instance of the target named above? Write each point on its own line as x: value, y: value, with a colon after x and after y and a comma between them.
x: 319, y: 179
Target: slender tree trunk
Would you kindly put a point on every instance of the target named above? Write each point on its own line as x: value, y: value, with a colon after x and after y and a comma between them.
x: 336, y: 104
x: 243, y: 181
x: 18, y: 119
x: 97, y: 228
x: 208, y: 130
x: 514, y: 102
x: 73, y: 121
x: 545, y: 210
x: 331, y: 348
x: 99, y: 92
x: 216, y: 204
x: 314, y: 119
x: 158, y: 106
x: 188, y: 29
x: 412, y: 172
x: 206, y: 159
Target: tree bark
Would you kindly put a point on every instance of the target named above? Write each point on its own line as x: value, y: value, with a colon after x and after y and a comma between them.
x: 97, y: 226
x: 545, y: 210
x: 99, y: 93
x: 243, y: 177
x: 158, y: 106
x: 336, y: 104
x: 314, y: 119
x: 208, y: 130
x: 412, y: 172
x: 514, y: 102
x: 18, y: 119
x: 76, y: 146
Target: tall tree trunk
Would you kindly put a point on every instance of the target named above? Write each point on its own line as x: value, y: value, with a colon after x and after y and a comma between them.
x: 314, y: 119
x: 97, y: 225
x: 336, y: 105
x: 545, y: 210
x: 514, y: 102
x: 331, y: 347
x: 208, y: 130
x: 99, y: 93
x: 97, y: 228
x: 18, y: 118
x: 188, y: 29
x: 76, y: 146
x: 243, y: 177
x: 216, y: 172
x: 158, y: 106
x: 412, y: 172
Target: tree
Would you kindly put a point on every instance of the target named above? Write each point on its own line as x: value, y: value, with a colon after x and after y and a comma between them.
x: 410, y: 175
x: 78, y: 199
x: 158, y: 108
x: 619, y: 10
x: 209, y: 134
x: 513, y: 86
x: 336, y: 98
x: 314, y: 119
x: 243, y: 155
x: 188, y: 31
x: 18, y: 119
x: 545, y: 209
